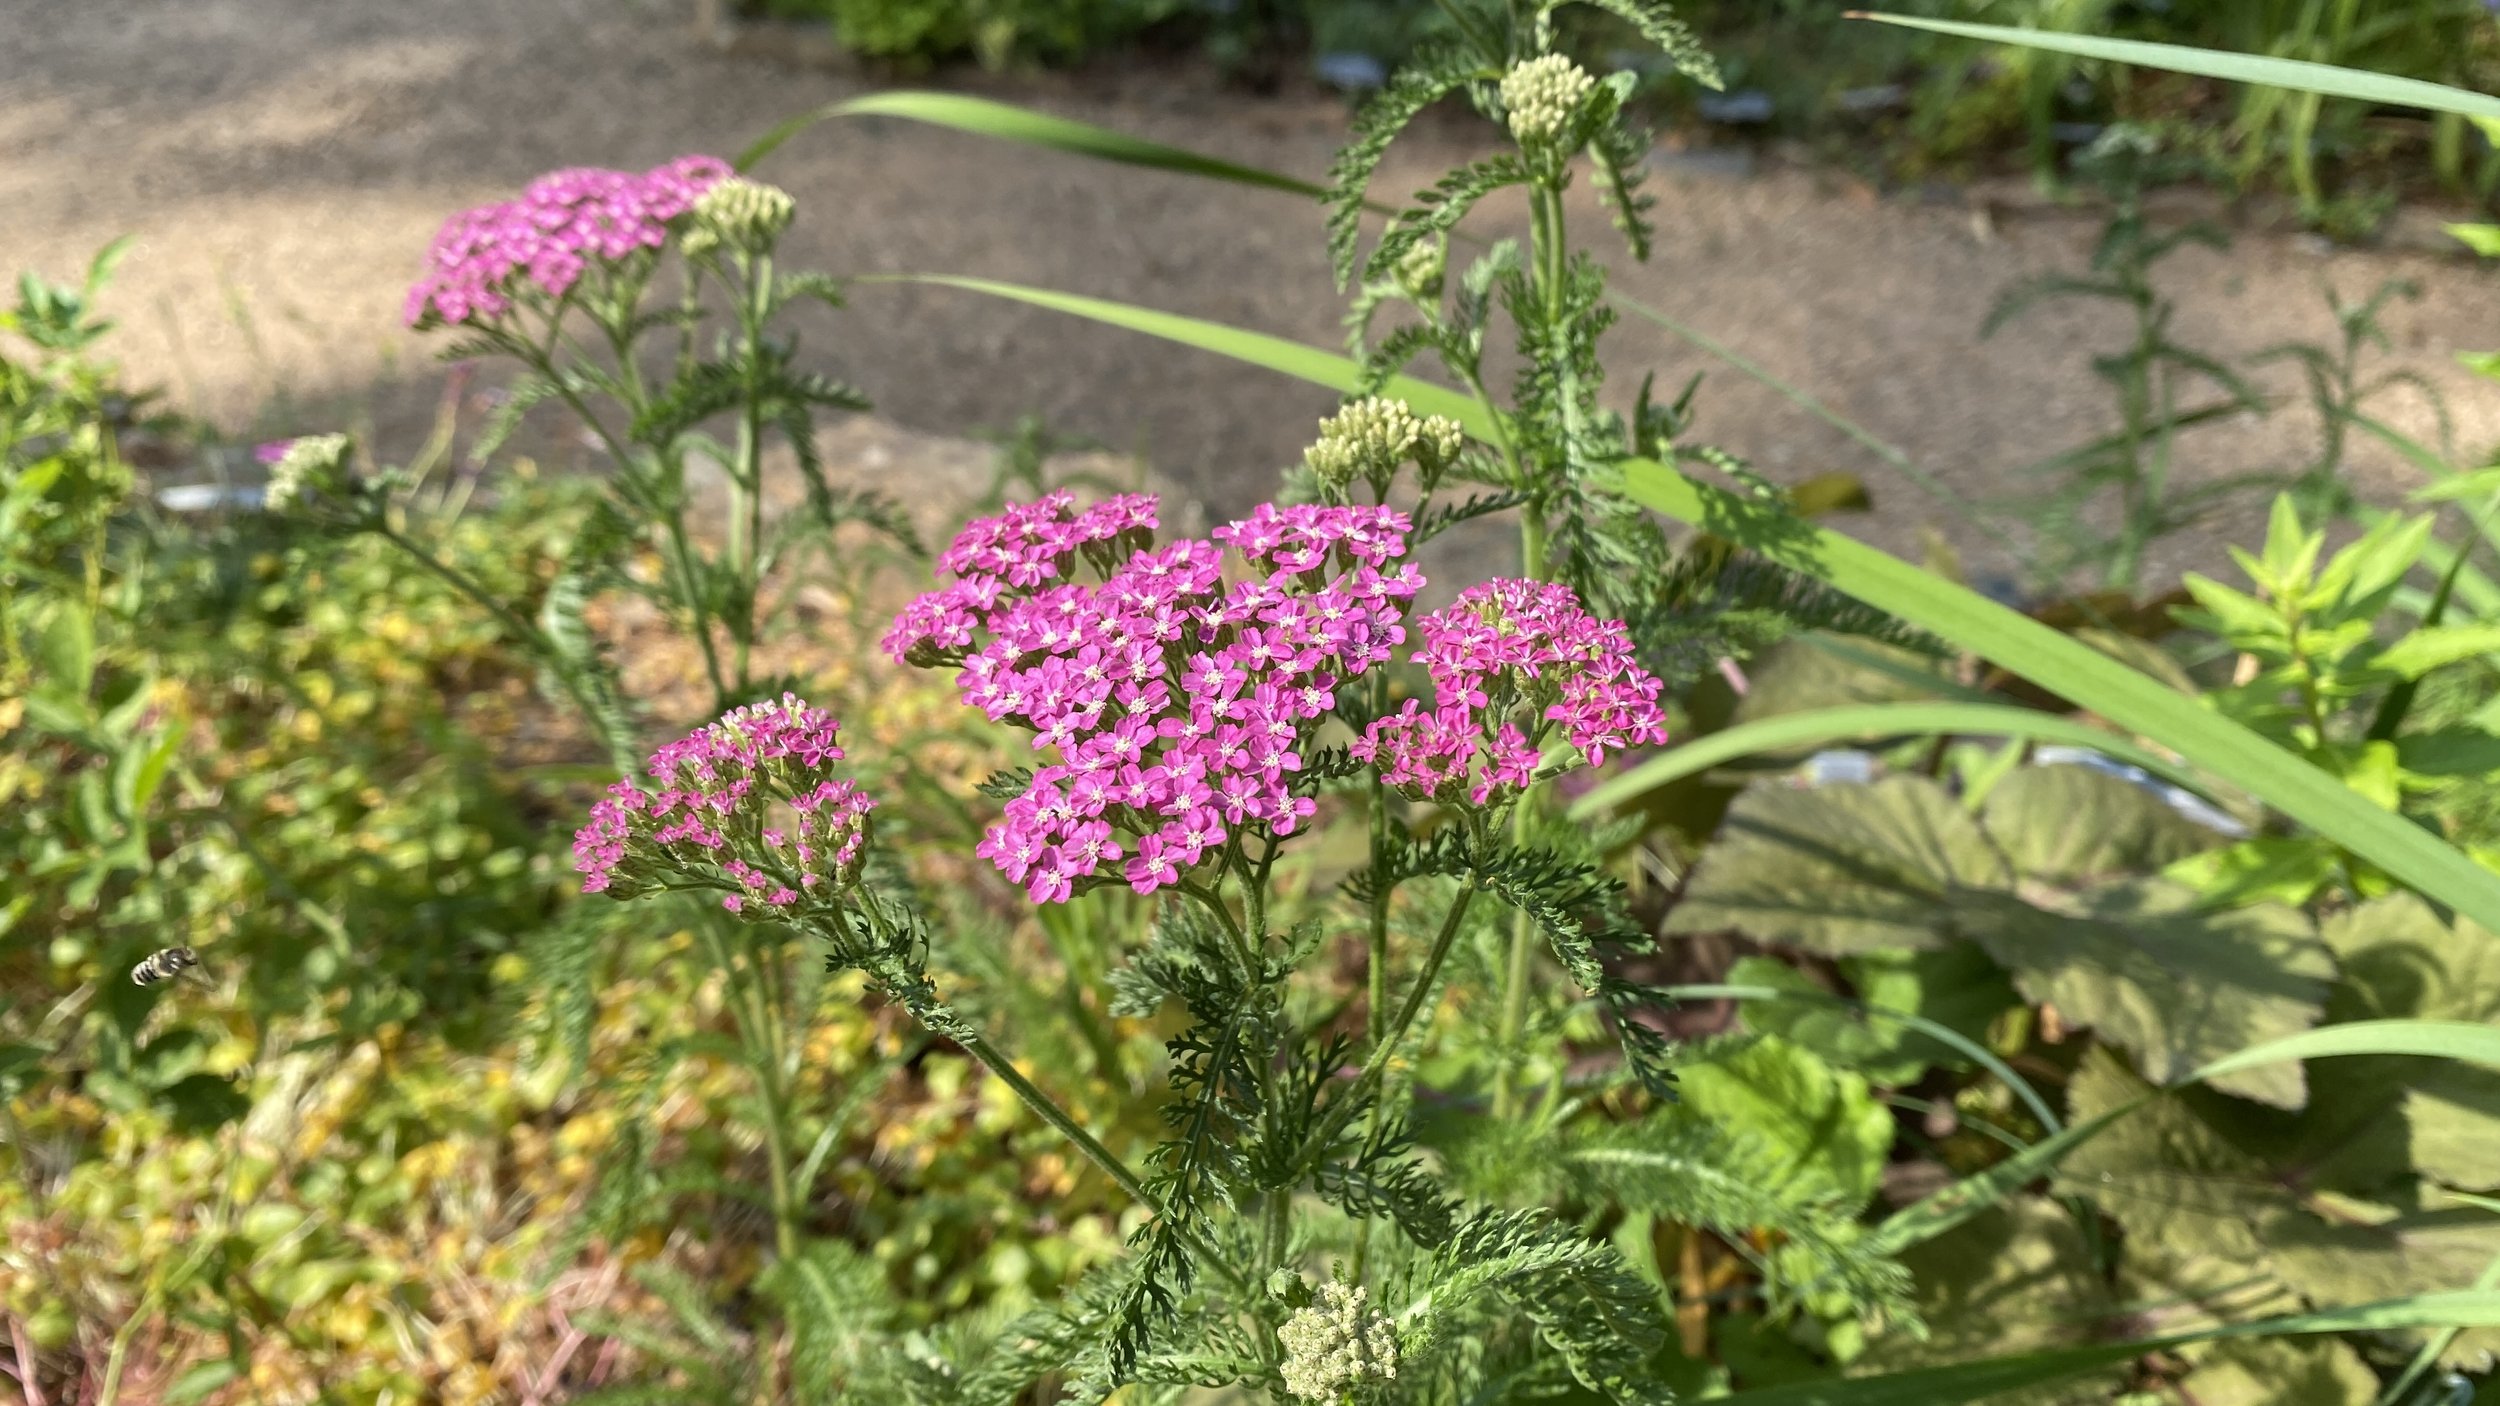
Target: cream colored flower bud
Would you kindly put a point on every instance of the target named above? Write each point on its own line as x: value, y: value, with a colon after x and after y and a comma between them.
x: 740, y: 213
x: 1542, y: 96
x: 313, y: 466
x: 1419, y: 270
x: 1371, y: 438
x: 1336, y: 1344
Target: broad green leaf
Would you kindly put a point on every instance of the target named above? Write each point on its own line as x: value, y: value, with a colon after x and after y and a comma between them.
x: 2070, y: 824
x: 1864, y: 723
x: 1955, y: 986
x: 2359, y: 1256
x: 2432, y: 647
x: 2143, y: 966
x: 2327, y: 80
x: 1819, y: 672
x: 66, y: 653
x: 2130, y: 701
x: 2200, y: 1174
x: 2400, y: 960
x: 1840, y: 869
x: 1821, y: 1129
x: 2015, y: 1278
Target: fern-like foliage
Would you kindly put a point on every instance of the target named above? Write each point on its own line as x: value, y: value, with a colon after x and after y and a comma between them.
x: 1438, y: 210
x: 1587, y: 1305
x: 1658, y: 24
x: 1433, y: 73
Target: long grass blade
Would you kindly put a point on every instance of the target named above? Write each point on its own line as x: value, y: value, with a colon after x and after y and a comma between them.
x: 1005, y: 122
x: 2133, y: 701
x: 1942, y: 1034
x: 1976, y: 1381
x: 1859, y: 722
x: 2300, y: 75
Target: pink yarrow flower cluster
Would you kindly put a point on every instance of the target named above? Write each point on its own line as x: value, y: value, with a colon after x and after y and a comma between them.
x: 563, y: 223
x: 748, y: 804
x: 1512, y: 663
x: 1177, y: 704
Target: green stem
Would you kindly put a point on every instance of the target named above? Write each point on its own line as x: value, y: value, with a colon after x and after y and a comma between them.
x: 620, y: 749
x: 747, y: 480
x: 758, y: 1033
x: 1376, y: 1066
x: 1048, y: 1110
x: 1514, y: 1016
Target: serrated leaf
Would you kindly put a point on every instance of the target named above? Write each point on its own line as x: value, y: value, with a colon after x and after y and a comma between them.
x: 1955, y: 986
x: 2071, y: 824
x: 1842, y: 869
x: 2401, y: 961
x: 2014, y: 1278
x: 1819, y: 1128
x: 2141, y: 964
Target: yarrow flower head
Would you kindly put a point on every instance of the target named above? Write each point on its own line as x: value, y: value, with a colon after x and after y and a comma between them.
x: 1421, y: 269
x: 1514, y: 663
x: 1542, y: 96
x: 1177, y: 706
x: 1371, y: 438
x: 564, y: 223
x: 741, y: 214
x: 747, y: 806
x: 306, y: 470
x: 1337, y: 1344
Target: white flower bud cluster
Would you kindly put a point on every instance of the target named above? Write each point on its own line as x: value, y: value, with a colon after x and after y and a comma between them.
x: 1542, y: 96
x: 311, y: 466
x: 1372, y: 437
x: 740, y: 213
x: 1420, y: 268
x: 1337, y: 1343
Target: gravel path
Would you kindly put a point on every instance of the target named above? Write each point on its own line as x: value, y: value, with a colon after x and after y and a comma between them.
x: 282, y: 163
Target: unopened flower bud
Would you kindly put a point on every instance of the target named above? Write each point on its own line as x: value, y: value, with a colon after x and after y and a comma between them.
x: 741, y: 214
x: 1336, y: 1344
x: 1419, y: 270
x: 1542, y: 96
x: 307, y: 469
x: 1372, y: 437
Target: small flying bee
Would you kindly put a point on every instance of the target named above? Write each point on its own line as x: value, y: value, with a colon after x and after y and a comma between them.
x: 164, y: 966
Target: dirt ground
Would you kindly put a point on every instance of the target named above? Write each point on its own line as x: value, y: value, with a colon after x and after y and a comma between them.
x: 282, y: 164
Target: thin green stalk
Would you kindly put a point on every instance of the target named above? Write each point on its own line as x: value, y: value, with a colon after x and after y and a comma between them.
x: 1048, y: 1110
x: 755, y: 1033
x: 747, y: 481
x: 1376, y: 1066
x: 620, y: 749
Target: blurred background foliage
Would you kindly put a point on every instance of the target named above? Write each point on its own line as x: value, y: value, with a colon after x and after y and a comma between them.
x: 1896, y: 104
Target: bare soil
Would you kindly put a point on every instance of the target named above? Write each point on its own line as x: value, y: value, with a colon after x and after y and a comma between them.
x: 282, y: 164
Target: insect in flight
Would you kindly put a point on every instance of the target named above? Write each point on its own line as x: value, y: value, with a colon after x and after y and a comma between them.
x: 163, y: 966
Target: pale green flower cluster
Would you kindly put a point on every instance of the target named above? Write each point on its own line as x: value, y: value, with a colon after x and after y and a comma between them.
x: 1372, y: 437
x: 311, y: 465
x: 1419, y: 270
x: 741, y: 214
x: 1542, y: 96
x: 1336, y: 1344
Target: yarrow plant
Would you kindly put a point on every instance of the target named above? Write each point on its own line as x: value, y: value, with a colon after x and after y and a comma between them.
x: 597, y: 283
x: 1513, y: 662
x: 565, y: 224
x: 1179, y: 707
x: 748, y: 802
